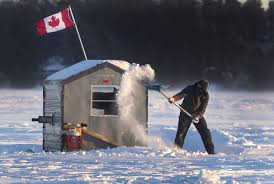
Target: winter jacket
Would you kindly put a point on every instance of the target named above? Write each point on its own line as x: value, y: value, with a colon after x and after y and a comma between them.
x: 195, y: 99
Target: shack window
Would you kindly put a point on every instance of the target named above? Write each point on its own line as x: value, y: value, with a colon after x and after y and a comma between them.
x: 103, y: 100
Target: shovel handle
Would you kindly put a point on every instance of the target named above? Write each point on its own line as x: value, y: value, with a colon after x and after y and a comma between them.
x: 182, y: 109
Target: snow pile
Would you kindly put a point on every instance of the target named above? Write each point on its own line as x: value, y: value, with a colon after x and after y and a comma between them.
x: 208, y: 177
x: 130, y: 92
x: 86, y: 178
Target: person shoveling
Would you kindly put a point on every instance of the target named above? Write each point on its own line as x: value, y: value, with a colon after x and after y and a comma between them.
x: 195, y: 99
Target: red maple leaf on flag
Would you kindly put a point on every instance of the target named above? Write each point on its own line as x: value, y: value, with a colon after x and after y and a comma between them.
x: 54, y: 22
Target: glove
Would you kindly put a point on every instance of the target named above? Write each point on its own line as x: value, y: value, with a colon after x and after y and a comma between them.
x: 195, y: 119
x: 171, y: 100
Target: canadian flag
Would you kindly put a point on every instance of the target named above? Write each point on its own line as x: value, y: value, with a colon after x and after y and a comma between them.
x: 53, y: 23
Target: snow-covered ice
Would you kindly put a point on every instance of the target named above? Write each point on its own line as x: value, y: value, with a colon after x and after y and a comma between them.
x: 241, y: 124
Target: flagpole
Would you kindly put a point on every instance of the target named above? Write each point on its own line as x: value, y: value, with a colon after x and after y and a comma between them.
x: 78, y: 33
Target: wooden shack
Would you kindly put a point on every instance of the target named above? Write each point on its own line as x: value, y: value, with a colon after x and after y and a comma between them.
x: 86, y: 93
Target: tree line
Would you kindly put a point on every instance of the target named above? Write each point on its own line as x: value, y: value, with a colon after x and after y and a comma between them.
x: 226, y: 42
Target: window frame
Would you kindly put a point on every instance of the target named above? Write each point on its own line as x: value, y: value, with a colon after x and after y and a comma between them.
x: 91, y: 100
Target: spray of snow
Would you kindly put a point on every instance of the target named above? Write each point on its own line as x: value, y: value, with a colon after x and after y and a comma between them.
x: 130, y: 92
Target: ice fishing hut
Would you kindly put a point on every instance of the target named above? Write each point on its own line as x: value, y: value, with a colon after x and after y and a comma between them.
x: 85, y: 93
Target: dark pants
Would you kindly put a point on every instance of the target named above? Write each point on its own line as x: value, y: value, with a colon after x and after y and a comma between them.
x: 183, y: 126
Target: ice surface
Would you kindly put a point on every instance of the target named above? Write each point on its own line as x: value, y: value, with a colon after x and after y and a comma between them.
x: 82, y: 66
x: 241, y: 124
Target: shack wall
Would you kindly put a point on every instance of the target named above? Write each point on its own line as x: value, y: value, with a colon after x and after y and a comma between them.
x: 77, y: 103
x: 52, y: 105
x: 77, y: 94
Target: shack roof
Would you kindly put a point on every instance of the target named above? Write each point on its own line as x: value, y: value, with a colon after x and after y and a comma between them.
x: 85, y: 65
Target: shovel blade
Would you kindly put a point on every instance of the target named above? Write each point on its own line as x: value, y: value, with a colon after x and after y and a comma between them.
x: 155, y: 87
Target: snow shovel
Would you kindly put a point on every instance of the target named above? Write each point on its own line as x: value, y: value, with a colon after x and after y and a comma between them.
x: 158, y: 87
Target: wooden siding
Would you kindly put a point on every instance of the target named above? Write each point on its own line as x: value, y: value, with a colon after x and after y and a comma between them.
x: 52, y: 106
